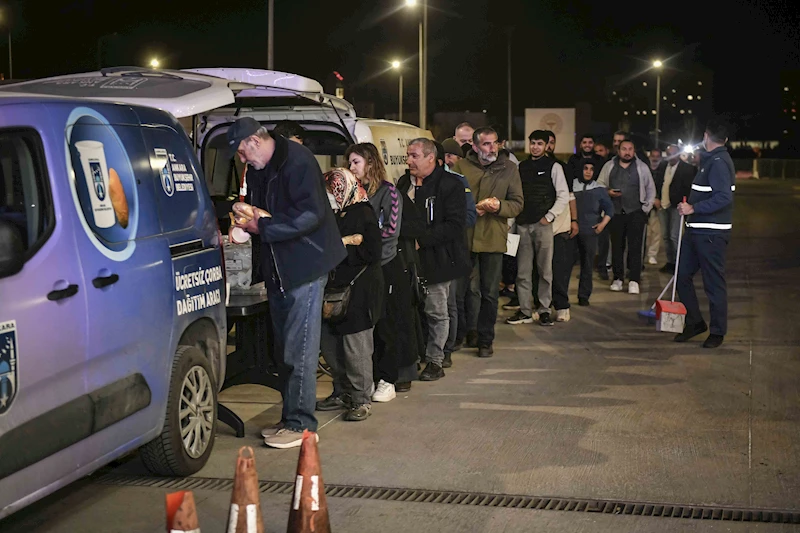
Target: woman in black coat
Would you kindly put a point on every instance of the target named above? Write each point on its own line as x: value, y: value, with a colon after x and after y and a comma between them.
x: 347, y: 343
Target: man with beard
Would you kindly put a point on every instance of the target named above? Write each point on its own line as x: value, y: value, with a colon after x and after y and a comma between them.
x: 495, y: 183
x: 576, y: 161
x: 602, y: 151
x: 632, y: 192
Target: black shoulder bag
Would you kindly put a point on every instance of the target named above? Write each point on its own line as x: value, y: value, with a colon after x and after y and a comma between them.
x: 335, y: 301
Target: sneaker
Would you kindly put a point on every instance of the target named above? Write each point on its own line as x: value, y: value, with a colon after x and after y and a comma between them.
x: 617, y: 285
x: 562, y: 315
x: 633, y: 288
x: 402, y: 386
x: 583, y: 302
x: 519, y: 318
x: 508, y: 293
x: 272, y: 430
x: 384, y: 393
x: 512, y: 304
x: 432, y: 372
x: 690, y: 331
x: 286, y: 438
x: 713, y: 341
x: 652, y: 261
x: 472, y: 339
x: 486, y: 351
x: 448, y: 360
x: 545, y: 320
x: 358, y: 413
x: 668, y: 268
x: 331, y: 403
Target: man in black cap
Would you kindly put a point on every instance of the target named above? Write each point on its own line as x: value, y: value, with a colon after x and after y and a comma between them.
x: 301, y: 244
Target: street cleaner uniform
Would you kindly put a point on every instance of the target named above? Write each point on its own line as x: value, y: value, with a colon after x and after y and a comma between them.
x: 705, y: 244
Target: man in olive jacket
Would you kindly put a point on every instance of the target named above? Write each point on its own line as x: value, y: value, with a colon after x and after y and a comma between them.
x: 495, y: 183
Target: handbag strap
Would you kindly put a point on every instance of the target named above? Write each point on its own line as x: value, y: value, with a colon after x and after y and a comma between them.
x: 359, y: 274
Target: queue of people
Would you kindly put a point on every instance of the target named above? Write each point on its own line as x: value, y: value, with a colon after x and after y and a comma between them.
x: 408, y: 273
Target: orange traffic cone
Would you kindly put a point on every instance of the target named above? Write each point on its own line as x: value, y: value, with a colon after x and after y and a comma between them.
x: 181, y: 513
x: 245, y: 514
x: 309, y: 512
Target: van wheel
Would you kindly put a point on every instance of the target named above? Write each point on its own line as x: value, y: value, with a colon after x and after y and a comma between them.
x: 191, y: 421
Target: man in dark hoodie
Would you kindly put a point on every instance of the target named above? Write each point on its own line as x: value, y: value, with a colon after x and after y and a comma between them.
x: 301, y: 244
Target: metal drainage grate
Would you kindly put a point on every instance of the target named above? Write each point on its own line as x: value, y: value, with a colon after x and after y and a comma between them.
x: 479, y: 499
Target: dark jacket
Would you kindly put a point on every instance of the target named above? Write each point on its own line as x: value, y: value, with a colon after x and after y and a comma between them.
x: 300, y: 241
x: 442, y: 247
x: 574, y: 170
x: 712, y: 193
x: 593, y: 202
x: 472, y: 213
x: 366, y: 296
x: 681, y: 182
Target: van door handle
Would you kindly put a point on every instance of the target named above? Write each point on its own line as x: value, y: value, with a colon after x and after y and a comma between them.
x: 71, y: 290
x: 105, y: 281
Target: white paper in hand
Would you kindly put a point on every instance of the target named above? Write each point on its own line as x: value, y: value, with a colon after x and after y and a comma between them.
x: 512, y: 244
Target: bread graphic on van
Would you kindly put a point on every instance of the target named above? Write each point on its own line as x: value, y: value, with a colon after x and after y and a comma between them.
x: 118, y: 199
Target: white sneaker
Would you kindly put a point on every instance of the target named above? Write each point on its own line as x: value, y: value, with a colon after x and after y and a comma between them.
x: 617, y: 285
x: 384, y: 393
x: 633, y: 288
x: 562, y: 315
x: 652, y: 261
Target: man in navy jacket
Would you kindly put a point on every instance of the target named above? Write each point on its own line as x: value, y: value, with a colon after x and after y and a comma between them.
x: 301, y: 244
x: 708, y: 229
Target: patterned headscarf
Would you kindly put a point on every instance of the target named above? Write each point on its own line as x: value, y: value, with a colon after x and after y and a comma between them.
x: 344, y: 187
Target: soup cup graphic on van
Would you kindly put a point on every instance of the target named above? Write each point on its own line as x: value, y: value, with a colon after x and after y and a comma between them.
x: 95, y: 171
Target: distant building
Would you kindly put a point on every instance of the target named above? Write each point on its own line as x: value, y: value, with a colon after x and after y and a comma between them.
x: 790, y: 96
x: 686, y: 103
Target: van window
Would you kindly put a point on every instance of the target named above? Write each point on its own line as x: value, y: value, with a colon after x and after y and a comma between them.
x: 223, y: 175
x: 177, y: 187
x: 24, y: 190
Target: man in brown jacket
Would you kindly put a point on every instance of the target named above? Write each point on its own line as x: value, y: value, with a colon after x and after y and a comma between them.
x: 495, y: 183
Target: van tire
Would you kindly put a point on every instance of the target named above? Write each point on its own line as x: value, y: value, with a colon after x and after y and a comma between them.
x: 167, y: 455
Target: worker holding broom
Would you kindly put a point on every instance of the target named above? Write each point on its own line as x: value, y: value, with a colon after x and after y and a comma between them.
x: 709, y: 213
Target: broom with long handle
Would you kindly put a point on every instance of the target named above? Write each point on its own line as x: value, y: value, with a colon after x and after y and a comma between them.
x: 650, y: 313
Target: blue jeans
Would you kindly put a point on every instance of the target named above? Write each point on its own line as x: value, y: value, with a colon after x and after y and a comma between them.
x: 296, y: 322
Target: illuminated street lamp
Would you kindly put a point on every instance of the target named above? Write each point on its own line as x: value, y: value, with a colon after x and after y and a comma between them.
x: 396, y: 66
x: 154, y: 63
x: 657, y: 64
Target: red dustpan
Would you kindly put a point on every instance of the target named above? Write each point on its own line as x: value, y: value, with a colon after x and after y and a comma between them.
x: 671, y: 315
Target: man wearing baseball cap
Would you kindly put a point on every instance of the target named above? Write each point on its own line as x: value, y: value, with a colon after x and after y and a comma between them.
x: 300, y: 244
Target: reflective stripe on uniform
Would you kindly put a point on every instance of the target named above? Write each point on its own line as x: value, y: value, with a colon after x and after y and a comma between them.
x: 708, y: 225
x: 706, y: 188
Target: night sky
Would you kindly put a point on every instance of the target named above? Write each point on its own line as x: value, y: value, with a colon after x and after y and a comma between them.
x: 563, y: 51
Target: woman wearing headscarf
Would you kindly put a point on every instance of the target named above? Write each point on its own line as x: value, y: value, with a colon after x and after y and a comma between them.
x: 347, y: 343
x: 367, y: 166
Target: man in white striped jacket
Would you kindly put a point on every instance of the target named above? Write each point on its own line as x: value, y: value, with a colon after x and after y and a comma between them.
x: 709, y: 213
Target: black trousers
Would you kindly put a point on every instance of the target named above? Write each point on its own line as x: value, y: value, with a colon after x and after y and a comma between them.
x: 563, y: 261
x: 627, y: 231
x: 385, y: 361
x: 705, y: 253
x: 587, y: 248
x: 603, y: 245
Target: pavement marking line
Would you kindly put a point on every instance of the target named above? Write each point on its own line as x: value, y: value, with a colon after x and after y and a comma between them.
x: 494, y: 371
x: 501, y: 382
x: 559, y: 410
x: 329, y: 421
x: 453, y: 394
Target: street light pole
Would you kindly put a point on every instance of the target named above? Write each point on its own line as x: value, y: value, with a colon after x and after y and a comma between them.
x: 271, y: 35
x: 421, y: 79
x: 657, y: 64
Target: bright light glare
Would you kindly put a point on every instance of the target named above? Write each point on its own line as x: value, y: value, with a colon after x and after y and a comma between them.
x: 688, y: 149
x: 657, y: 63
x: 411, y: 3
x: 395, y: 64
x: 154, y: 63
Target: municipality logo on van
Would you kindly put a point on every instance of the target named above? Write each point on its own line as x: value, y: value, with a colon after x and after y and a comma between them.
x: 385, y: 152
x: 166, y: 180
x: 8, y: 364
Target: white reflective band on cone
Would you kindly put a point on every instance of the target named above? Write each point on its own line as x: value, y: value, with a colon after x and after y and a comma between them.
x: 708, y: 225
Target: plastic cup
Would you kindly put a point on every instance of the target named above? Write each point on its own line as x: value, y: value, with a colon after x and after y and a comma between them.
x: 95, y: 171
